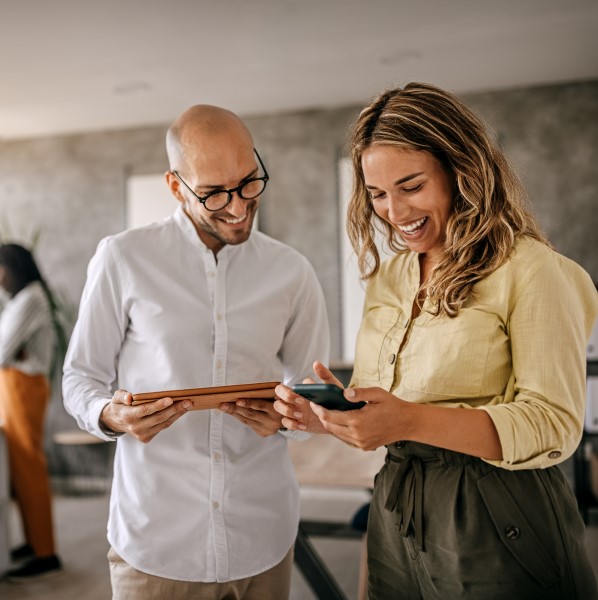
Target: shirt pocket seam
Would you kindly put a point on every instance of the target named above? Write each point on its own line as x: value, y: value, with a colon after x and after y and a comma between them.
x: 376, y: 337
x: 465, y: 386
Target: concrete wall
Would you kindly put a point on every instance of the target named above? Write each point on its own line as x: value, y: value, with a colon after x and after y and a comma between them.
x: 72, y: 189
x: 551, y: 135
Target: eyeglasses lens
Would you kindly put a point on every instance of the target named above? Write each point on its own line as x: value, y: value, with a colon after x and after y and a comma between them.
x: 251, y: 189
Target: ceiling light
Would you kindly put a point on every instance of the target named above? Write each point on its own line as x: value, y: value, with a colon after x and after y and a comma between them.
x: 131, y: 87
x: 400, y: 57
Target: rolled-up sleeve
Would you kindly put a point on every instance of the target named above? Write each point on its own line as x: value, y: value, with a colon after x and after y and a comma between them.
x: 548, y: 328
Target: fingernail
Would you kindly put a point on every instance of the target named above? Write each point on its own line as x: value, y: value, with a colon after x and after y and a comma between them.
x: 187, y: 405
x: 302, y: 427
x: 349, y: 393
x: 299, y: 400
x: 297, y: 414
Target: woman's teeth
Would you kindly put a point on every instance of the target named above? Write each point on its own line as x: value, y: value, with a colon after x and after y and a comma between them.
x: 412, y: 227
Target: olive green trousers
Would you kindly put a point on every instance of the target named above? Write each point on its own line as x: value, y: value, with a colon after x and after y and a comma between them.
x: 447, y: 526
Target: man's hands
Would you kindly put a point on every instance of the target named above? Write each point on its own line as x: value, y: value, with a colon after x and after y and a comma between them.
x: 143, y: 422
x: 257, y: 414
x: 146, y: 420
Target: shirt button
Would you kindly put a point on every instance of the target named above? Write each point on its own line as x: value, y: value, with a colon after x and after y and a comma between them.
x: 392, y: 358
x: 554, y: 454
x: 512, y: 532
x: 217, y: 456
x: 219, y: 316
x: 210, y: 273
x: 219, y: 364
x: 216, y: 504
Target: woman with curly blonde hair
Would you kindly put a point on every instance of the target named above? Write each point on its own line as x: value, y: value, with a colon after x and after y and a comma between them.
x: 471, y: 361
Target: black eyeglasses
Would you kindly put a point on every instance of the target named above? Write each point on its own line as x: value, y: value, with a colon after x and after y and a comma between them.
x: 248, y: 190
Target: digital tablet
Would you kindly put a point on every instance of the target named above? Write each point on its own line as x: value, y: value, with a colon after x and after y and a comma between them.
x: 212, y: 397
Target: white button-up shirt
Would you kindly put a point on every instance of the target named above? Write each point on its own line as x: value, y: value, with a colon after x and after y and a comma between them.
x: 207, y: 499
x: 26, y: 324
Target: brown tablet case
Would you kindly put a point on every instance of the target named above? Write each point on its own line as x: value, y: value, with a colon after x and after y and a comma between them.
x: 212, y: 397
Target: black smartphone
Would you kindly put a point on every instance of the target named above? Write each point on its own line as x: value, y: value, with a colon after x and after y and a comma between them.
x: 327, y: 395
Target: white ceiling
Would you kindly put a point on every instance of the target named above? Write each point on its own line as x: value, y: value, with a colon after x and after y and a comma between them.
x: 80, y: 65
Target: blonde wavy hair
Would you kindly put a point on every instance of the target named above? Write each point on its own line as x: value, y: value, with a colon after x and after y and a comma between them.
x: 489, y: 210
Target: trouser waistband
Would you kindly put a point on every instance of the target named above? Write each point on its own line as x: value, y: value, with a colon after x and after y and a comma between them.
x: 406, y: 494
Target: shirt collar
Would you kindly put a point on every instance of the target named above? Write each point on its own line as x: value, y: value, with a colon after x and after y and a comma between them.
x: 188, y: 228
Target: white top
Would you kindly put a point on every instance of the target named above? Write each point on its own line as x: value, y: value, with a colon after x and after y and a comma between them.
x: 207, y: 499
x: 26, y: 324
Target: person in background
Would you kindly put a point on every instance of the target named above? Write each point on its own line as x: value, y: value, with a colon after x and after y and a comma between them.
x: 205, y: 504
x: 471, y: 358
x: 27, y: 341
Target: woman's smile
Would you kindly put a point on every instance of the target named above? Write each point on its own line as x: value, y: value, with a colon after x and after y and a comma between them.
x: 412, y: 191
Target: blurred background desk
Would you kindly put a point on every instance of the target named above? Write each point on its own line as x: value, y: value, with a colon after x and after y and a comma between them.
x: 324, y: 461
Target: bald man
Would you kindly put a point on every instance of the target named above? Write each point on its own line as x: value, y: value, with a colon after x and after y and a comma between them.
x: 204, y: 503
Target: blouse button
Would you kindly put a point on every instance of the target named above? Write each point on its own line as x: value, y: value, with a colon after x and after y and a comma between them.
x: 554, y: 454
x: 512, y: 532
x: 392, y: 358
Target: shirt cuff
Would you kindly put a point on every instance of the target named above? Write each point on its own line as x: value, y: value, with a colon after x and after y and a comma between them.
x: 98, y: 429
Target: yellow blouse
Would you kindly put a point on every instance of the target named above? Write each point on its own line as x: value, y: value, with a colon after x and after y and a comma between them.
x: 516, y: 349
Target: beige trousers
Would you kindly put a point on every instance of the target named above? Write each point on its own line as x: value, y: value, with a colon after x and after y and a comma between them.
x: 130, y: 584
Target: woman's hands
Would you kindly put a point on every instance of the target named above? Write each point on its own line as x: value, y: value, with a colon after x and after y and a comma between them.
x: 367, y: 428
x: 387, y: 418
x: 378, y: 423
x: 296, y: 411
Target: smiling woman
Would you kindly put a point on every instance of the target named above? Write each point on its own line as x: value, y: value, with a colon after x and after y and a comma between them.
x: 452, y: 362
x: 413, y: 192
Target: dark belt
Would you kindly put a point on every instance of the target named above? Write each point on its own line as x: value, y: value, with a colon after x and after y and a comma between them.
x: 408, y: 483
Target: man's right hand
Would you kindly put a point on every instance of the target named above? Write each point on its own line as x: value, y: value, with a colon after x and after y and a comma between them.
x: 143, y: 421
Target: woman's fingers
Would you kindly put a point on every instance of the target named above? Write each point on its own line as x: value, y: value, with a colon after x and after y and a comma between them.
x: 326, y: 375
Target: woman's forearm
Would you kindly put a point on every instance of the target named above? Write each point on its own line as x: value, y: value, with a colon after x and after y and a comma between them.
x: 469, y: 431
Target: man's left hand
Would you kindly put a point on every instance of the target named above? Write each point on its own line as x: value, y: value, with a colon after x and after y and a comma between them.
x: 257, y: 414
